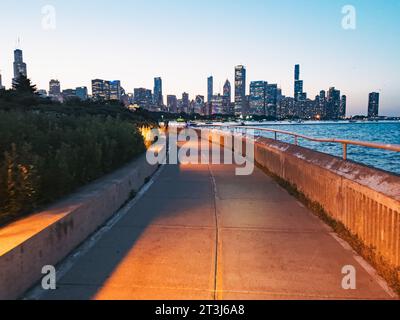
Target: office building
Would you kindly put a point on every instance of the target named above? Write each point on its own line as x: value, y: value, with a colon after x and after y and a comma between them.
x: 185, y: 102
x: 68, y: 94
x: 210, y: 88
x: 227, y: 97
x: 199, y: 104
x: 98, y: 90
x: 107, y: 90
x: 54, y: 88
x: 343, y: 107
x: 258, y: 97
x: 19, y: 65
x: 143, y: 98
x: 297, y: 72
x: 172, y: 104
x: 333, y: 104
x: 240, y: 90
x: 373, y: 105
x: 298, y: 85
x: 271, y: 99
x: 82, y: 93
x: 114, y: 90
x: 158, y: 92
x: 217, y: 106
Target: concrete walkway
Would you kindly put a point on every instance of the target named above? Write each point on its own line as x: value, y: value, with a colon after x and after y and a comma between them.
x: 200, y: 232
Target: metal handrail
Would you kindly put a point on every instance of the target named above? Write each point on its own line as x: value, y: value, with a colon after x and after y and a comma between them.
x: 343, y: 142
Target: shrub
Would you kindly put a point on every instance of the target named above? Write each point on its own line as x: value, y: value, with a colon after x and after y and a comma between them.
x: 44, y: 156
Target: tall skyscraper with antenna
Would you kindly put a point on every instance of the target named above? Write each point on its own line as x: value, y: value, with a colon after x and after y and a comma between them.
x: 19, y: 65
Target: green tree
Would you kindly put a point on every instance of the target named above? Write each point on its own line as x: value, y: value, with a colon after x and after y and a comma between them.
x: 24, y: 85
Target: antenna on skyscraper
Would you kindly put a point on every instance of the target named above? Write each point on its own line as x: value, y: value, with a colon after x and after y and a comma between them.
x: 18, y: 43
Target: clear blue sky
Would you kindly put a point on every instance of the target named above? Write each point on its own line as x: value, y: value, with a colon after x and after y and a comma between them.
x: 184, y: 41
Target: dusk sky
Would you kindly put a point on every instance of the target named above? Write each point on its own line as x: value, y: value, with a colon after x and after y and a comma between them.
x: 184, y: 41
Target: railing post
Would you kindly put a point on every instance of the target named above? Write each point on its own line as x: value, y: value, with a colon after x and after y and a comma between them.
x: 296, y: 142
x: 344, y: 151
x: 276, y: 135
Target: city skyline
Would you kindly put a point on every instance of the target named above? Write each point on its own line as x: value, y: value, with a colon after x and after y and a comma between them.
x: 264, y: 99
x: 352, y: 61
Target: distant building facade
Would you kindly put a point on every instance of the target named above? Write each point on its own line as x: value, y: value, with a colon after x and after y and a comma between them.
x: 82, y: 93
x: 298, y: 84
x: 143, y: 97
x: 185, y: 102
x: 373, y: 105
x: 106, y: 90
x: 258, y: 97
x: 158, y: 92
x: 333, y: 104
x: 199, y: 105
x: 227, y: 98
x: 54, y: 88
x: 210, y: 88
x: 19, y: 65
x: 172, y: 104
x: 240, y: 90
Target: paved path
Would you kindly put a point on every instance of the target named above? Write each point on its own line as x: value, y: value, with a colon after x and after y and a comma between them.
x: 200, y: 232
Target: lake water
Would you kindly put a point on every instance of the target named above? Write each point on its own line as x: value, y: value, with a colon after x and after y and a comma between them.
x: 379, y: 132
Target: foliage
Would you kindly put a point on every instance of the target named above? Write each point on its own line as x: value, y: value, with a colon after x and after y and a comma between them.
x: 44, y: 156
x: 24, y: 85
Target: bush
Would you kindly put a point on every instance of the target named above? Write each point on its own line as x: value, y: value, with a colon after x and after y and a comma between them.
x: 44, y: 156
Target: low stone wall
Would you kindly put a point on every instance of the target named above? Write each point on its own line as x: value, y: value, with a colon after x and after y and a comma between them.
x: 364, y: 199
x: 46, y: 238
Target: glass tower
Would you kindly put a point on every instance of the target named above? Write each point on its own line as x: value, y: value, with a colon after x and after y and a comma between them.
x: 240, y: 90
x: 19, y: 65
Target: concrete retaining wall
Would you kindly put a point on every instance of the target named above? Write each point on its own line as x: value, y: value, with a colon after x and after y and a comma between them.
x: 48, y: 237
x: 364, y: 199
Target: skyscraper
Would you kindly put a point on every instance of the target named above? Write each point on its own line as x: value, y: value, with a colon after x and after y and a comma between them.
x: 343, y: 107
x: 373, y: 105
x: 54, y: 88
x: 333, y: 103
x: 115, y: 90
x: 258, y: 97
x: 143, y: 97
x: 210, y: 88
x: 217, y: 104
x: 240, y: 90
x: 185, y: 102
x: 296, y: 72
x: 298, y: 84
x: 19, y: 65
x: 98, y: 89
x: 227, y: 97
x: 199, y: 105
x: 106, y: 90
x: 172, y: 104
x: 158, y: 95
x: 271, y: 99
